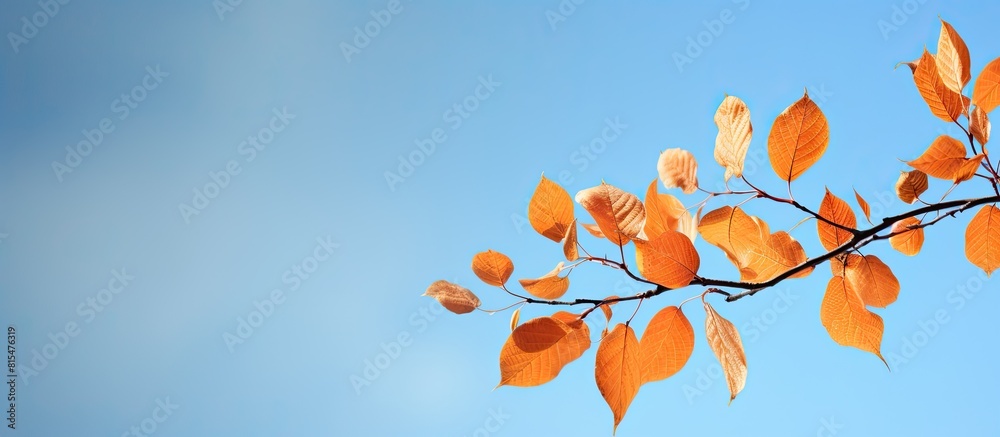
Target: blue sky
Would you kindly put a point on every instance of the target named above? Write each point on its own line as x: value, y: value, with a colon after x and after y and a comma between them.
x: 264, y: 101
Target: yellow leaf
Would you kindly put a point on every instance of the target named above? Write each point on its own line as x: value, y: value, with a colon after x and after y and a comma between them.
x: 493, y: 268
x: 678, y: 169
x: 619, y: 214
x: 618, y: 371
x: 911, y: 185
x: 666, y: 344
x: 846, y: 319
x: 593, y: 229
x: 907, y: 242
x: 945, y: 103
x: 865, y: 208
x: 538, y: 350
x: 669, y: 259
x: 798, y: 139
x: 838, y: 211
x: 952, y: 59
x: 725, y: 342
x: 662, y: 212
x: 872, y: 279
x: 569, y: 243
x: 986, y: 91
x: 550, y: 286
x: 943, y: 159
x: 454, y: 298
x: 550, y: 210
x: 735, y: 131
x: 980, y: 126
x: 982, y: 239
x: 514, y: 318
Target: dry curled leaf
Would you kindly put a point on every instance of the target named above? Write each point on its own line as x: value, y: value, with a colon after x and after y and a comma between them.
x: 846, y: 319
x: 551, y: 286
x: 618, y: 371
x: 911, y: 185
x: 550, y: 210
x: 725, y: 342
x: 514, y: 318
x: 678, y: 169
x: 735, y: 131
x: 666, y: 344
x: 494, y: 268
x: 837, y: 211
x: 798, y: 139
x: 453, y: 297
x: 907, y: 241
x: 982, y: 239
x: 619, y: 215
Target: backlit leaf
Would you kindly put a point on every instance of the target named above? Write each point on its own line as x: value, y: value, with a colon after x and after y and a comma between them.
x: 979, y: 125
x: 773, y: 257
x: 731, y: 230
x: 872, y: 279
x: 569, y: 243
x: 911, y: 185
x: 846, y: 319
x: 662, y: 212
x: 982, y: 239
x: 986, y: 91
x: 798, y: 139
x: 968, y: 168
x: 618, y: 371
x: 945, y: 103
x: 943, y: 159
x: 838, y: 211
x: 725, y: 342
x: 538, y: 350
x: 550, y: 286
x: 686, y: 225
x: 865, y: 208
x: 666, y: 344
x: 493, y: 268
x: 669, y: 259
x: 952, y: 58
x: 620, y: 215
x: 453, y: 297
x: 514, y: 318
x: 550, y: 210
x: 735, y: 131
x: 907, y: 242
x: 593, y: 229
x: 678, y: 169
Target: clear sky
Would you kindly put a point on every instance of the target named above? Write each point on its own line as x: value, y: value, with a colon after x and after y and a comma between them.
x: 172, y: 170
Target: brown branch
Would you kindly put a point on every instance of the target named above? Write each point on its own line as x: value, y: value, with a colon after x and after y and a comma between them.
x: 801, y: 207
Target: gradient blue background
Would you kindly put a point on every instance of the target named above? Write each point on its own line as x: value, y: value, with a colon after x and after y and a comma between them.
x: 324, y: 175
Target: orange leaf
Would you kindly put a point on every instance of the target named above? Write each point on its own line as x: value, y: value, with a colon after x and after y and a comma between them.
x: 550, y: 286
x: 678, y: 169
x: 943, y: 159
x: 493, y: 268
x: 986, y: 91
x: 606, y: 308
x: 619, y: 214
x: 911, y: 185
x: 538, y: 350
x: 593, y: 229
x: 982, y: 239
x: 569, y: 243
x: 945, y: 103
x: 618, y: 371
x: 872, y: 279
x: 838, y: 211
x: 980, y: 126
x: 687, y: 225
x: 865, y: 208
x: 454, y: 298
x: 666, y: 344
x: 733, y: 231
x: 798, y: 139
x: 514, y: 318
x: 669, y: 259
x: 968, y: 168
x: 907, y: 242
x: 846, y: 319
x: 773, y: 257
x: 952, y: 59
x: 735, y: 131
x: 725, y: 342
x: 550, y: 210
x: 662, y: 212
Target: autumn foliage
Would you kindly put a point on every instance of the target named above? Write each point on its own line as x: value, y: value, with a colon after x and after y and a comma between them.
x: 663, y: 231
